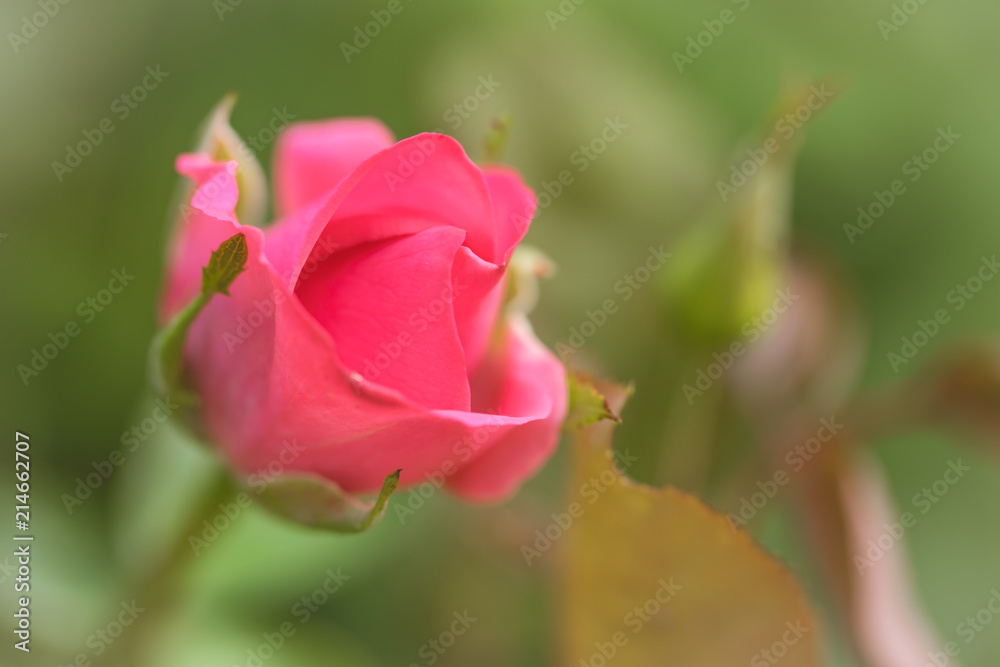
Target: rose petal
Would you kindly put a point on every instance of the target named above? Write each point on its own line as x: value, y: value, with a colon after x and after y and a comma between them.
x: 478, y: 302
x: 208, y: 220
x: 356, y: 441
x: 427, y: 180
x: 388, y: 307
x: 310, y: 159
x: 514, y: 206
x: 421, y: 182
x: 272, y: 380
x: 479, y: 288
x: 534, y: 387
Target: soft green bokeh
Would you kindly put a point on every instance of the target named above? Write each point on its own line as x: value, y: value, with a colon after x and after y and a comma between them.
x: 607, y: 60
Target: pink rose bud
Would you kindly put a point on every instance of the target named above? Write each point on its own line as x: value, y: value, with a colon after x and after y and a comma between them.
x: 367, y: 332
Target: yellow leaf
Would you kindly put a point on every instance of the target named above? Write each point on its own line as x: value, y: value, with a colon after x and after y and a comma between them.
x: 655, y: 577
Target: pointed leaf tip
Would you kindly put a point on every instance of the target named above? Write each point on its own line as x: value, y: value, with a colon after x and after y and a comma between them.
x: 587, y: 404
x: 318, y: 503
x: 167, y: 354
x: 226, y: 263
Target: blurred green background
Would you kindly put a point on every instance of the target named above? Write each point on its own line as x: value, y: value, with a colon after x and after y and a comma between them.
x: 608, y: 59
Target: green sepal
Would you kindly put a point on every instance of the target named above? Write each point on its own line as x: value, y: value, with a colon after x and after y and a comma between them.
x: 587, y: 405
x: 318, y: 503
x: 221, y: 141
x: 167, y: 355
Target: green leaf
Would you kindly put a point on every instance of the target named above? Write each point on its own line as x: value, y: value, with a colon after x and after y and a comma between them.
x: 319, y: 503
x: 586, y: 404
x: 227, y: 262
x: 167, y: 353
